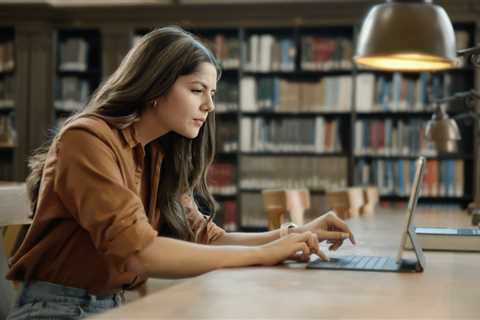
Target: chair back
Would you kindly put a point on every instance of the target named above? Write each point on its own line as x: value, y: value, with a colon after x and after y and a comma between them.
x: 285, y: 204
x: 14, y: 212
x: 14, y: 204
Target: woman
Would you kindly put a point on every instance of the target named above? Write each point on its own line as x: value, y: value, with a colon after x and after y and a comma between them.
x: 112, y: 194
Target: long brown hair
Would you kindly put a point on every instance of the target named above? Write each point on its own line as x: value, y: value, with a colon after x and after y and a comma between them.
x: 148, y: 71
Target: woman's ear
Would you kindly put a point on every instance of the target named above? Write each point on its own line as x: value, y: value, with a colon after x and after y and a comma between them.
x: 154, y: 103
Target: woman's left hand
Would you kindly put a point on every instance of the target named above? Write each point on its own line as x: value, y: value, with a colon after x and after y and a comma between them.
x: 329, y: 227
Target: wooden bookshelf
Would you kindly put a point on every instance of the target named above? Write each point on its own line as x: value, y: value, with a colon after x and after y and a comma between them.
x: 278, y: 112
x: 394, y: 106
x: 78, y: 69
x: 8, y: 127
x: 7, y: 146
x: 110, y: 31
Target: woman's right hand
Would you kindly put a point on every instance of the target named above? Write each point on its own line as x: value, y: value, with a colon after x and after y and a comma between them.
x: 295, y: 246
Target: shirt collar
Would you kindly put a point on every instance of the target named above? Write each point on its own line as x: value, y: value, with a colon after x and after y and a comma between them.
x: 129, y: 135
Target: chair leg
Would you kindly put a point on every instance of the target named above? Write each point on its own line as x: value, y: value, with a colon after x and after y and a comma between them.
x: 275, y: 217
x: 7, y: 292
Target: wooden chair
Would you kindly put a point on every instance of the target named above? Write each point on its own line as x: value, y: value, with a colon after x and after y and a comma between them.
x: 354, y: 201
x: 14, y: 212
x: 285, y: 204
x: 371, y: 197
x: 347, y: 203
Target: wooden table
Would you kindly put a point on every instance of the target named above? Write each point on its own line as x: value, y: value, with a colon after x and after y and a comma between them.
x: 449, y: 288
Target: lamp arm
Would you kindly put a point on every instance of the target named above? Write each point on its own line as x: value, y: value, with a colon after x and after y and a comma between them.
x: 473, y: 53
x: 469, y: 98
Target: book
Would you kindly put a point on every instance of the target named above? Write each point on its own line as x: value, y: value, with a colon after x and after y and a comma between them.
x: 221, y: 178
x: 7, y: 56
x: 7, y: 131
x: 226, y: 136
x: 448, y: 239
x: 315, y: 174
x: 73, y: 55
x: 72, y: 94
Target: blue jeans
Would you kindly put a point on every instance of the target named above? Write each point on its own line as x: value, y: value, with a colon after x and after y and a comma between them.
x: 46, y: 300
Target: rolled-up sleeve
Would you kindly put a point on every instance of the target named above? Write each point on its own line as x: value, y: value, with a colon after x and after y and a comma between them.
x: 89, y: 183
x: 197, y: 220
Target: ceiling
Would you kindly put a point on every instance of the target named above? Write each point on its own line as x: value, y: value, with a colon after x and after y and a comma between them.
x: 90, y: 3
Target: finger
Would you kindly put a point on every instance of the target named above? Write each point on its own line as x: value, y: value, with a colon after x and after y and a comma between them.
x: 313, y: 243
x: 322, y: 255
x: 299, y: 257
x: 350, y: 236
x: 336, y: 243
x: 335, y: 246
x: 352, y: 239
x: 300, y: 248
x: 336, y: 222
x: 301, y: 237
x: 330, y: 212
x: 333, y: 235
x: 333, y: 241
x: 304, y: 249
x: 311, y: 240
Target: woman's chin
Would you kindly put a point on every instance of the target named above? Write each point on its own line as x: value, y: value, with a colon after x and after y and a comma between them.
x: 191, y: 134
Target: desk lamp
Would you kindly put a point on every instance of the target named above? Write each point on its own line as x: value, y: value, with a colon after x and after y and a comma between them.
x: 443, y: 132
x: 415, y: 36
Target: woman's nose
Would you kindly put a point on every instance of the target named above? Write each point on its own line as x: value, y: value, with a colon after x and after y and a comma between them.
x: 209, y: 104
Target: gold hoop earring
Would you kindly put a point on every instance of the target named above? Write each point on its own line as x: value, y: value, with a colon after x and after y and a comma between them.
x: 154, y: 103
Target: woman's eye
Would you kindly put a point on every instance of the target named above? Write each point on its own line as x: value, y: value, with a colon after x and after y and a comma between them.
x: 197, y: 91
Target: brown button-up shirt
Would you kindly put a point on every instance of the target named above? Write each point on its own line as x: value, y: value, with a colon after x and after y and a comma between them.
x: 93, y: 211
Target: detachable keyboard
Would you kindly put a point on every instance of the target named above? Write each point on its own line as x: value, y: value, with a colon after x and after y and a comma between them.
x: 372, y: 263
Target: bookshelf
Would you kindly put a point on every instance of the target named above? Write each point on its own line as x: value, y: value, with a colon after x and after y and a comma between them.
x: 295, y: 102
x: 309, y: 87
x: 7, y: 103
x: 391, y: 112
x: 316, y: 121
x: 223, y: 175
x: 296, y: 113
x: 78, y: 70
